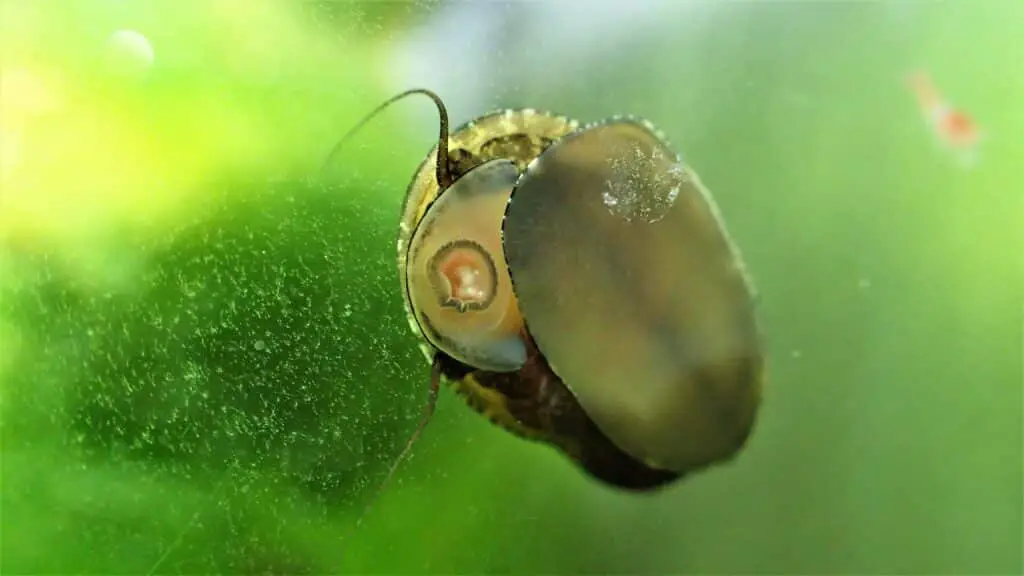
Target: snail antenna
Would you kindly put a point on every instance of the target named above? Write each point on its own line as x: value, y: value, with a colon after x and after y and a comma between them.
x: 428, y: 413
x: 442, y: 173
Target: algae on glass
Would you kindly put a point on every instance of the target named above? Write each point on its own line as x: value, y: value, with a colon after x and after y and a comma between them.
x: 204, y: 366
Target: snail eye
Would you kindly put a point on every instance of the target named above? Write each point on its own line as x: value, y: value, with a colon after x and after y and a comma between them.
x: 456, y: 275
x: 632, y: 290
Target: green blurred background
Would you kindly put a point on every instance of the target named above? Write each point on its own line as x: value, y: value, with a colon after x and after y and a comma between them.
x: 205, y: 366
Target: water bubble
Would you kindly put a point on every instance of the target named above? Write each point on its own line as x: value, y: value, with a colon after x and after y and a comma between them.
x: 129, y: 53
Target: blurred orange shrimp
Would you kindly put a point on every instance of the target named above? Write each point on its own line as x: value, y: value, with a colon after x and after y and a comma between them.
x: 954, y: 129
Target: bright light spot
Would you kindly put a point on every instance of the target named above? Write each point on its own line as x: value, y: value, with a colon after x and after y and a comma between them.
x: 24, y: 96
x: 24, y: 92
x: 10, y: 154
x: 129, y: 52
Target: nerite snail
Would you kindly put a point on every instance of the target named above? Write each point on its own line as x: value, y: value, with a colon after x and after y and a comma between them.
x: 576, y: 285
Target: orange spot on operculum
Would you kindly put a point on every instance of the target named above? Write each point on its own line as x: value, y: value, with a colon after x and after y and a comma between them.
x: 467, y: 278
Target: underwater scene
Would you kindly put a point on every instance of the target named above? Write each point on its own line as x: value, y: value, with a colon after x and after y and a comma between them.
x: 474, y: 287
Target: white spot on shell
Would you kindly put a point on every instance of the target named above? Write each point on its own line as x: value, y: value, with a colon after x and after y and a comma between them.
x: 640, y: 187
